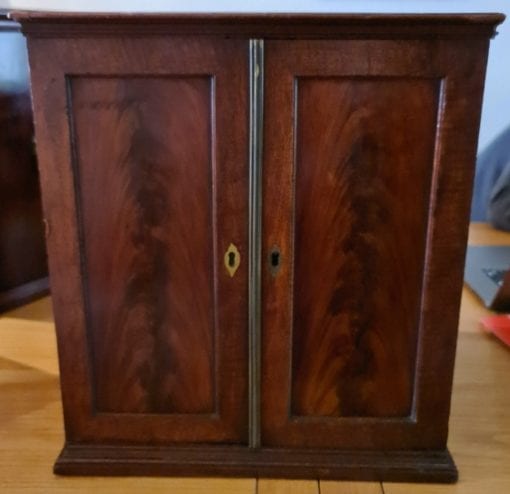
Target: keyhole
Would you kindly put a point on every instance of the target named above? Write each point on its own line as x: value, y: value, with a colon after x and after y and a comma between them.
x: 232, y: 259
x: 274, y: 260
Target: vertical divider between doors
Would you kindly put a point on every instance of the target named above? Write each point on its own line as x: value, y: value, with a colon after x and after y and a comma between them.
x: 254, y: 236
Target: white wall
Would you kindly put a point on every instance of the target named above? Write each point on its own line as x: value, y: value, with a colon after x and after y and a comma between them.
x: 496, y: 109
x: 13, y: 64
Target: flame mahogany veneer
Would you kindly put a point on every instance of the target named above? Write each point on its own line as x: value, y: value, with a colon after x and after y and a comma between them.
x: 145, y: 134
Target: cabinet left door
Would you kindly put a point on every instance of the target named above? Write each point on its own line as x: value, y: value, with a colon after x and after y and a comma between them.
x: 143, y: 153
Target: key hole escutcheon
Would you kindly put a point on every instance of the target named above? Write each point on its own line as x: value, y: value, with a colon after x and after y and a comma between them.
x: 275, y: 260
x: 232, y: 259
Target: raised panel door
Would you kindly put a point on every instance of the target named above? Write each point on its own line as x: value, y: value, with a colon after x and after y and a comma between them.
x: 151, y: 320
x: 361, y: 173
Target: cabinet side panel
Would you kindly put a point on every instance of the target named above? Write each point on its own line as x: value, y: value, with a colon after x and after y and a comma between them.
x: 363, y: 163
x: 143, y: 153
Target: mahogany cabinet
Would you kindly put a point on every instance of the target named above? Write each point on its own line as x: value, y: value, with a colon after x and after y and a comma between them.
x: 256, y: 234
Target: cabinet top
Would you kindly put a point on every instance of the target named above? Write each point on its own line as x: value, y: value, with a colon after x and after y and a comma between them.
x: 379, y: 26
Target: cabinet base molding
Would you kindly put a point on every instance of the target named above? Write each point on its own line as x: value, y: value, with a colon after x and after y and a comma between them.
x: 397, y: 466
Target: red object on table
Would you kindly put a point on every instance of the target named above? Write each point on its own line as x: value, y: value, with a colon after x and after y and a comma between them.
x: 499, y: 326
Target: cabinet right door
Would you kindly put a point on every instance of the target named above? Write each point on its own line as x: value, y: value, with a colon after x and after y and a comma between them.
x: 368, y: 156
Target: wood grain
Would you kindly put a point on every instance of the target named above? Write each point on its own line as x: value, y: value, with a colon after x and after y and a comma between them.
x: 39, y: 310
x: 30, y: 343
x: 381, y: 413
x: 291, y: 463
x: 34, y: 432
x: 484, y: 234
x: 342, y: 79
x: 271, y: 486
x: 152, y: 194
x: 363, y: 173
x: 269, y: 25
x: 479, y: 422
x: 331, y: 487
x: 147, y: 213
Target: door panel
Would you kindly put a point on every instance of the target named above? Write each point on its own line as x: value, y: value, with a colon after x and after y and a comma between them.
x: 148, y: 237
x: 157, y: 183
x: 351, y: 140
x: 362, y: 172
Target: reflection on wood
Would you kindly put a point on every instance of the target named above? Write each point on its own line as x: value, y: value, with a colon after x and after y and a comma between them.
x: 363, y: 171
x: 143, y: 147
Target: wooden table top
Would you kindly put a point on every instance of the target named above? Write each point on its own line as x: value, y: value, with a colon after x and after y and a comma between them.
x: 31, y: 418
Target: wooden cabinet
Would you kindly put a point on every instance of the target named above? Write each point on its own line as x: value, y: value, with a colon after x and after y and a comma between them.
x: 353, y: 142
x: 23, y: 266
x: 256, y: 233
x: 160, y: 189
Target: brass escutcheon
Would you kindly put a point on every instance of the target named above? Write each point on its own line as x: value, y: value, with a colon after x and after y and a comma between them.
x: 232, y: 259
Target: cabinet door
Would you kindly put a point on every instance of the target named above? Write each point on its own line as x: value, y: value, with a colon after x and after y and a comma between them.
x: 144, y: 142
x: 368, y: 155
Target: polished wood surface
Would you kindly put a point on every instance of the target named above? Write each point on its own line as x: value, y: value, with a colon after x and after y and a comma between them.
x: 361, y: 201
x: 288, y: 25
x: 148, y: 239
x: 146, y: 187
x: 31, y: 430
x: 366, y: 195
x: 369, y: 147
